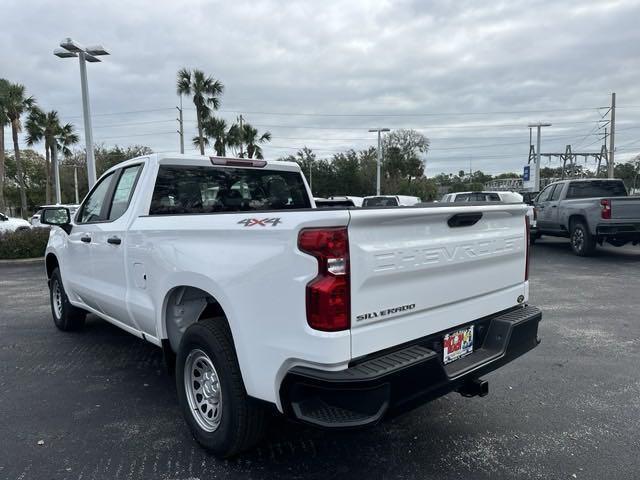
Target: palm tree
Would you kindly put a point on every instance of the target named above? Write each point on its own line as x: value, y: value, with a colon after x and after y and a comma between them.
x: 16, y: 104
x: 252, y: 140
x: 40, y: 127
x: 206, y: 92
x: 216, y: 130
x: 66, y: 137
x: 4, y: 120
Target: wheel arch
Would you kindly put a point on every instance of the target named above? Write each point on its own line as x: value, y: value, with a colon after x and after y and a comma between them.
x: 576, y: 217
x: 184, y: 305
x: 51, y: 263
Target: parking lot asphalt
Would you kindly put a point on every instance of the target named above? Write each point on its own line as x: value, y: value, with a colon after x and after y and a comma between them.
x: 99, y: 404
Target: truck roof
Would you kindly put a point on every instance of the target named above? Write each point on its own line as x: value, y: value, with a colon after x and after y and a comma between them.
x: 205, y: 160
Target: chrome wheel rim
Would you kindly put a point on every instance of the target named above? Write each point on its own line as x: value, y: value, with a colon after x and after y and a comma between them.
x: 578, y: 239
x: 203, y: 389
x: 56, y: 299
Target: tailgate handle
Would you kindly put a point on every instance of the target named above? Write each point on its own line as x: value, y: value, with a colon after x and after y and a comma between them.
x: 464, y: 219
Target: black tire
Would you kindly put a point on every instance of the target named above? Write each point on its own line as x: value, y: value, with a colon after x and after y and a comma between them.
x: 65, y: 316
x: 242, y: 422
x: 582, y: 242
x: 533, y: 237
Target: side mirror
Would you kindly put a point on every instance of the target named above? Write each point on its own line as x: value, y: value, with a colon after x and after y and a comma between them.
x: 57, y: 216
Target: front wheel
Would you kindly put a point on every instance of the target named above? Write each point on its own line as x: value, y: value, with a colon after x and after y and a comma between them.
x: 582, y: 242
x: 65, y: 316
x: 214, y: 402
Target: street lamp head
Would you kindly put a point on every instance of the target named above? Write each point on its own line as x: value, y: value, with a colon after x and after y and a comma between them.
x: 62, y: 53
x: 379, y: 130
x: 71, y: 45
x: 91, y: 58
x: 97, y: 50
x: 535, y: 125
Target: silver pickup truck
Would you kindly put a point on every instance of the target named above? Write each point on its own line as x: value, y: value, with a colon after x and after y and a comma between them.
x: 589, y: 212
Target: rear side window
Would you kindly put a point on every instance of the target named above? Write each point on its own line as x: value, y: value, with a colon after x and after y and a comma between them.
x: 596, y: 188
x: 380, y: 202
x: 463, y: 197
x: 187, y: 189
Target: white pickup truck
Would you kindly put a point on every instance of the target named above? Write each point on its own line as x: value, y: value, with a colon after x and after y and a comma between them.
x: 332, y: 317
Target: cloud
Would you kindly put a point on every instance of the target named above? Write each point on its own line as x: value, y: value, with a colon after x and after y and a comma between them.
x: 470, y: 75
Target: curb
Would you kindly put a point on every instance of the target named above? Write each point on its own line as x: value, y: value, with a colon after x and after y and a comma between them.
x: 22, y: 261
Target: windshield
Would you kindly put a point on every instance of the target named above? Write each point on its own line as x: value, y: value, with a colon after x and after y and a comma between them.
x: 596, y: 188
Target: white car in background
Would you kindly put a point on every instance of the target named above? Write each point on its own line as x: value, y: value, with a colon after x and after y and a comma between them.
x: 390, y: 201
x: 9, y: 224
x: 35, y: 218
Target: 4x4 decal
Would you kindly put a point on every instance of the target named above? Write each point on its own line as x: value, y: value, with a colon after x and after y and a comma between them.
x: 263, y: 222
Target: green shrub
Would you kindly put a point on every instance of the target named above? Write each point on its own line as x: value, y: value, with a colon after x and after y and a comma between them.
x: 24, y: 244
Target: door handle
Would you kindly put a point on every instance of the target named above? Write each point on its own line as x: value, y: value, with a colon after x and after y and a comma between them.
x: 554, y: 206
x: 85, y: 239
x: 114, y: 240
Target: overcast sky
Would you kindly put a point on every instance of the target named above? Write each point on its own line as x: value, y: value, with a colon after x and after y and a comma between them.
x: 469, y: 75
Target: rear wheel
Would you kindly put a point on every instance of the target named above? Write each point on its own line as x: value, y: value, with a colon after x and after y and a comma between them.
x: 214, y: 402
x: 582, y: 242
x: 65, y: 316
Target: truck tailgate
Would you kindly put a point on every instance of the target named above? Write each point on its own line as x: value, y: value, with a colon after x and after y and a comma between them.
x: 625, y: 208
x: 412, y: 274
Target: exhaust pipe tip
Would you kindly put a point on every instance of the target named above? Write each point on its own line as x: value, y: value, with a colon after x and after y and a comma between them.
x: 475, y: 388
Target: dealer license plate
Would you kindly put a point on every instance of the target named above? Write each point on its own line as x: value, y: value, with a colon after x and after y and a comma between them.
x: 458, y: 344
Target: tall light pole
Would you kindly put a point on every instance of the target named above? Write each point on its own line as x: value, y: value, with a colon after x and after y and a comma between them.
x: 536, y: 185
x: 70, y: 49
x: 379, y: 130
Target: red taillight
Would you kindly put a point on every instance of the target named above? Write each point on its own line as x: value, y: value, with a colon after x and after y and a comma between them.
x: 527, y: 232
x: 605, y: 205
x: 328, y: 294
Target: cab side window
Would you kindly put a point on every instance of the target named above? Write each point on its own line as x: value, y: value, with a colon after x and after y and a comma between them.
x: 545, y: 194
x: 94, y: 208
x: 556, y: 193
x: 124, y: 191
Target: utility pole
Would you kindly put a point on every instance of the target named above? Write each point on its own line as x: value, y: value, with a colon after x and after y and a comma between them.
x: 379, y: 130
x: 75, y: 182
x: 241, y: 134
x: 536, y: 187
x: 612, y: 144
x: 180, y: 126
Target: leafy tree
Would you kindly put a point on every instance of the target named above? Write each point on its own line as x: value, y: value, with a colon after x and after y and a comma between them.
x: 31, y: 176
x: 403, y: 151
x: 206, y: 92
x: 16, y: 103
x: 629, y: 172
x: 4, y: 120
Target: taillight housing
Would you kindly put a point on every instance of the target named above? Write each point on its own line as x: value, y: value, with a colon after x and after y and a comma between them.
x: 605, y: 206
x: 527, y: 240
x: 328, y: 295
